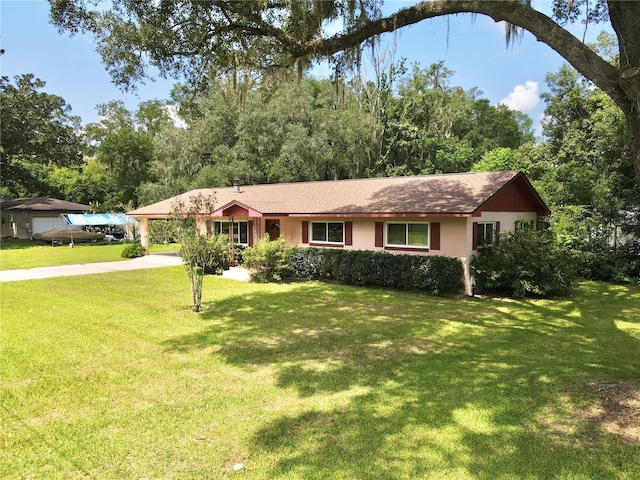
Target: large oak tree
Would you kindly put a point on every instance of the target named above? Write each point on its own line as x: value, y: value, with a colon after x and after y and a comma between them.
x: 194, y: 38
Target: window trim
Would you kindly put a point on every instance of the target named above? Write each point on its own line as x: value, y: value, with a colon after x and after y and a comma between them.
x: 406, y: 246
x: 313, y: 242
x: 235, y: 222
x: 523, y: 224
x: 493, y: 240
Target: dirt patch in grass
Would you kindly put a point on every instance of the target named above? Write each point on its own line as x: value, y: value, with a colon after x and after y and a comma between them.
x: 617, y: 409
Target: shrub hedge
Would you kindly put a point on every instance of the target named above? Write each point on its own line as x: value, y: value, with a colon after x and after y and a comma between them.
x: 434, y: 274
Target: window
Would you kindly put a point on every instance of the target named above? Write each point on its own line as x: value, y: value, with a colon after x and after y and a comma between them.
x: 408, y: 235
x: 240, y: 231
x: 485, y: 233
x: 327, y: 232
x: 524, y: 225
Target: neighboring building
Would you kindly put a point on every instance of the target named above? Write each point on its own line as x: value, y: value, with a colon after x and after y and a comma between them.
x: 451, y: 215
x: 24, y: 217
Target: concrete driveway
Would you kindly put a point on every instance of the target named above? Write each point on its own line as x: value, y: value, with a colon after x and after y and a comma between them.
x: 155, y: 260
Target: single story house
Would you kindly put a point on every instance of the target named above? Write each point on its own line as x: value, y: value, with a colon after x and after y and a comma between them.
x: 24, y: 217
x: 451, y: 214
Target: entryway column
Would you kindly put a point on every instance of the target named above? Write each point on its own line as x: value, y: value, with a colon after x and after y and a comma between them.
x: 144, y: 234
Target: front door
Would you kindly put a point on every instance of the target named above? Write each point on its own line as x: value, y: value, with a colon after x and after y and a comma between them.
x: 272, y: 227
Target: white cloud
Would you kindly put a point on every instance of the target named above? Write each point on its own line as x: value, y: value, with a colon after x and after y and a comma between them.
x: 524, y: 97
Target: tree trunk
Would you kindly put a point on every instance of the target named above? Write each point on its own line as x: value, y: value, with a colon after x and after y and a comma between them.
x: 633, y: 122
x: 625, y: 20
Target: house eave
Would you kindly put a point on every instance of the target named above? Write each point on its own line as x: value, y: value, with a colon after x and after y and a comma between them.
x: 379, y: 215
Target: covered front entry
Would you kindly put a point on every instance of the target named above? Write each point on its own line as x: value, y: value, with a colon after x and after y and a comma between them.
x: 272, y: 227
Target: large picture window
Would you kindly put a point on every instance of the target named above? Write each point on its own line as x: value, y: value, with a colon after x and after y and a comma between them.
x: 414, y: 235
x: 327, y: 232
x: 240, y: 231
x: 485, y: 233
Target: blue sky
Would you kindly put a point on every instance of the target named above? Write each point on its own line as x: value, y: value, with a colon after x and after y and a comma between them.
x: 474, y: 48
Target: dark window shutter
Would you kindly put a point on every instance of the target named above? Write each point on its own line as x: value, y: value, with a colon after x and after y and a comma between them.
x: 250, y: 233
x: 435, y: 236
x: 379, y: 234
x: 474, y: 236
x: 348, y: 233
x: 516, y: 227
x: 305, y: 232
x: 497, y: 233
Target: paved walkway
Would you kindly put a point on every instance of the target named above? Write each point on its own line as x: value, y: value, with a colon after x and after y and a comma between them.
x: 148, y: 261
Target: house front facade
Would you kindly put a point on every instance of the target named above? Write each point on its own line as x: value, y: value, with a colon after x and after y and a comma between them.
x: 451, y: 215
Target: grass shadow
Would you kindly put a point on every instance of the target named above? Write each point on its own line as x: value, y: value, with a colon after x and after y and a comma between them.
x: 431, y: 387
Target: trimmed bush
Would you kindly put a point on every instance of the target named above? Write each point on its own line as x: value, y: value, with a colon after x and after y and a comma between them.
x: 132, y: 250
x: 434, y: 274
x: 268, y: 259
x: 524, y: 264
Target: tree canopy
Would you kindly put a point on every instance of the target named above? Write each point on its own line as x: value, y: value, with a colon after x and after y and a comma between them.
x: 197, y: 39
x: 38, y: 134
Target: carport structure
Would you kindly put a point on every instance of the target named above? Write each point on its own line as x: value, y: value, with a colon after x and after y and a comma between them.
x: 99, y: 219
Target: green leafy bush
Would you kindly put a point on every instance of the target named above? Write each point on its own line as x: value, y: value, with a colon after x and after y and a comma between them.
x: 527, y: 263
x: 604, y: 263
x: 435, y: 274
x: 132, y: 250
x: 211, y: 254
x: 269, y: 260
x: 238, y: 253
x: 162, y: 231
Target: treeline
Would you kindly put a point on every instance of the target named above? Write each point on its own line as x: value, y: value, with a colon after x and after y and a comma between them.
x: 319, y: 130
x: 406, y: 121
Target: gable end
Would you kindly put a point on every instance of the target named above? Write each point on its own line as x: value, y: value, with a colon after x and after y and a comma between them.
x: 516, y: 196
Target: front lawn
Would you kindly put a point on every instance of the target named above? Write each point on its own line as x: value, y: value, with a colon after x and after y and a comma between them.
x: 27, y: 254
x: 111, y: 376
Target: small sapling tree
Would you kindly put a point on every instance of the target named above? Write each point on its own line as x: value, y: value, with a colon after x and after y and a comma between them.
x: 199, y: 253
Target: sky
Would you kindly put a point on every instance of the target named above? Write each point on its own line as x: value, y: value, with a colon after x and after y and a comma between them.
x: 473, y: 47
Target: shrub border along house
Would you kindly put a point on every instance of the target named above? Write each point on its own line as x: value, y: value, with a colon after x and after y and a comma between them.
x: 434, y: 274
x: 448, y: 215
x: 525, y: 263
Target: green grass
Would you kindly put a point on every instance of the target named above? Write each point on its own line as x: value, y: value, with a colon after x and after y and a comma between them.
x: 112, y: 376
x: 26, y: 254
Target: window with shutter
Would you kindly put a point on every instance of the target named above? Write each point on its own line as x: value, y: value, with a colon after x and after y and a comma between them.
x: 407, y: 235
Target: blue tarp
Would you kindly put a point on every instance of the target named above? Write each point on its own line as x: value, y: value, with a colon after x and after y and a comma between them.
x: 100, y: 219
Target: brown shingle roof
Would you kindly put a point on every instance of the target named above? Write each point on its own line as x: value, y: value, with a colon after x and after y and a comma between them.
x: 43, y: 204
x: 460, y: 193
